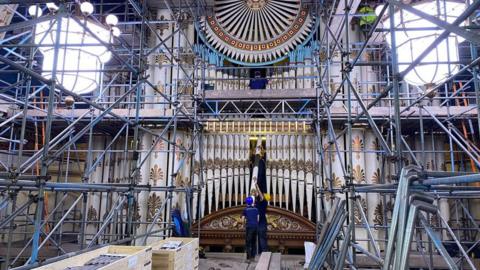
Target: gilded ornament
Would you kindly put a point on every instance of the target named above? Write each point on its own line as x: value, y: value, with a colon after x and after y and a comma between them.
x: 153, y: 206
x: 136, y: 212
x: 179, y: 180
x: 301, y: 165
x: 273, y: 164
x: 209, y: 164
x: 309, y: 166
x: 293, y: 164
x: 156, y: 175
x: 217, y: 164
x: 275, y: 223
x: 161, y: 27
x: 356, y: 211
x: 357, y: 146
x: 323, y: 56
x: 336, y: 181
x: 378, y: 212
x: 92, y: 214
x: 161, y: 59
x: 285, y: 164
x: 358, y: 175
x: 178, y: 153
x: 376, y: 177
x: 159, y: 146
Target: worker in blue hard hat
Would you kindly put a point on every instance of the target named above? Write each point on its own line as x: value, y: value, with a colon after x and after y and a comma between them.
x: 250, y: 219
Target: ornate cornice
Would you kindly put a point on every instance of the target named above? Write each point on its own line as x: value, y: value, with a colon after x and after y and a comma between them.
x: 282, y: 224
x: 258, y: 127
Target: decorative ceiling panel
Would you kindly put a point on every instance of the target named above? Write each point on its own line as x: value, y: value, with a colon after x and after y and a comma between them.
x: 257, y: 31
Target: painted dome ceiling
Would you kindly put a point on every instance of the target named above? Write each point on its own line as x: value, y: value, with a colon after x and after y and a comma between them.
x: 257, y: 31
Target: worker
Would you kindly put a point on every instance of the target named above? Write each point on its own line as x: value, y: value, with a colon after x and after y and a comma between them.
x: 258, y: 82
x: 367, y: 18
x: 250, y: 219
x: 261, y: 205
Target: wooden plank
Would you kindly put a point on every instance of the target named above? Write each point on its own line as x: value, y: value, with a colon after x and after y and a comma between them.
x: 275, y: 261
x: 264, y: 261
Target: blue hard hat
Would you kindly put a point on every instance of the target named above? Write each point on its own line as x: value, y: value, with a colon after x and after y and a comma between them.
x: 249, y: 200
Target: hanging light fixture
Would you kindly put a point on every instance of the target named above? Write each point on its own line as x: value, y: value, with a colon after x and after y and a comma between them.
x: 411, y: 42
x: 35, y: 11
x: 80, y: 54
x: 52, y: 6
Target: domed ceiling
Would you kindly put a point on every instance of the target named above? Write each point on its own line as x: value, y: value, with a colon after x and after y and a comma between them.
x: 256, y: 31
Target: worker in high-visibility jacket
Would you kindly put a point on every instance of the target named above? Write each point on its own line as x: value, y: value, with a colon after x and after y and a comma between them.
x: 367, y: 18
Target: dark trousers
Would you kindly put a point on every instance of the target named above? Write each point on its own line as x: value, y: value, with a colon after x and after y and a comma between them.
x: 262, y: 239
x: 251, y: 242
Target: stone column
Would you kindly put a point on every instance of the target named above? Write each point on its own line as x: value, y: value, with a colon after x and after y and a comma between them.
x: 372, y: 176
x: 146, y: 142
x: 94, y: 201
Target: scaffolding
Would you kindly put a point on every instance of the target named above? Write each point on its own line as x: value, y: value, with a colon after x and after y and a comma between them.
x: 48, y: 130
x: 49, y: 149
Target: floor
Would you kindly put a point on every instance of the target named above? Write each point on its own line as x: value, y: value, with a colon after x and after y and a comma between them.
x: 236, y: 261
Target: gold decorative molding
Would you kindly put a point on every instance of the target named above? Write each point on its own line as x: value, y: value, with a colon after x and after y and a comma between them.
x: 379, y: 210
x: 258, y: 127
x: 358, y: 175
x: 356, y: 211
x: 309, y: 166
x: 376, y: 177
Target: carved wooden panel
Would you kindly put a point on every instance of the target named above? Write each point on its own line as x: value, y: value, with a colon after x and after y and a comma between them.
x: 284, y: 228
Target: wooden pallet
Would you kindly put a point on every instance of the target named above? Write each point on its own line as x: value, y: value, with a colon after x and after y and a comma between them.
x: 136, y: 258
x: 184, y: 257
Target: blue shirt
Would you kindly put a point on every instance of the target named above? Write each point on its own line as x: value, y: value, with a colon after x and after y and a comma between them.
x: 251, y: 214
x: 258, y: 83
